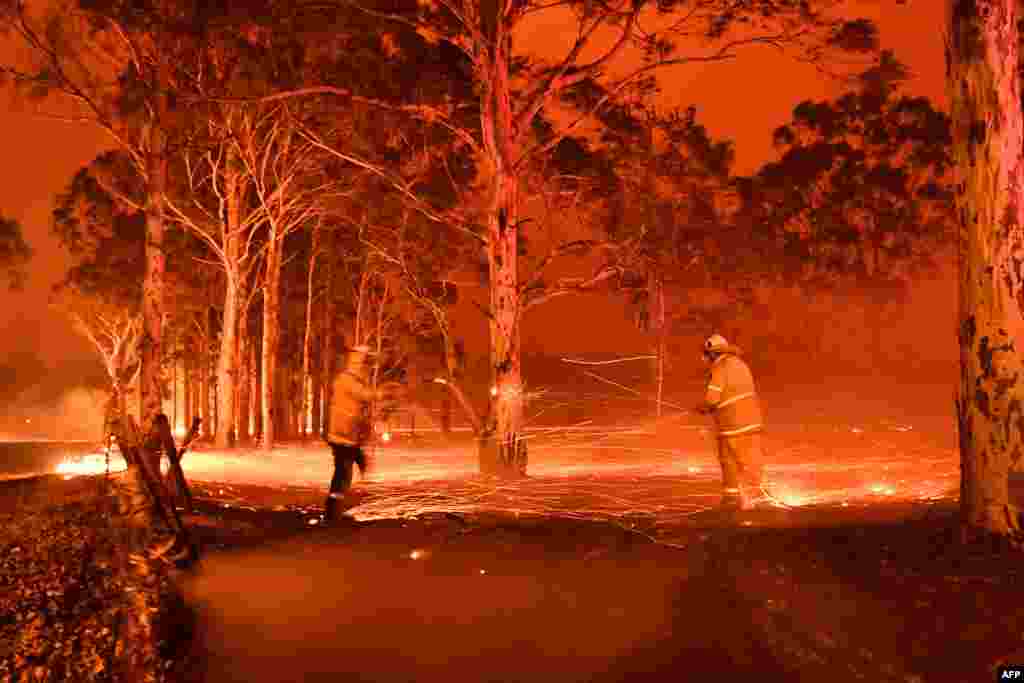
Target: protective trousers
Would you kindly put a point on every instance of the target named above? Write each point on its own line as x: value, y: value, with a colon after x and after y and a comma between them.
x: 345, y: 457
x: 742, y: 470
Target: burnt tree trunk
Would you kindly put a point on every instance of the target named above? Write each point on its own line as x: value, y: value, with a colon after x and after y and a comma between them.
x: 988, y: 146
x: 271, y: 331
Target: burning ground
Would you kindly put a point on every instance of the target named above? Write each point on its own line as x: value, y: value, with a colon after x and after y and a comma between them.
x: 607, y: 564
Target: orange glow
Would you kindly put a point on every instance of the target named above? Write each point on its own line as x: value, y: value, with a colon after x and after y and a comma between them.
x: 92, y: 464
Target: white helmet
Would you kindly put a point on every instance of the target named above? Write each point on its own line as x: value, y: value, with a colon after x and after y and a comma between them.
x: 716, y: 343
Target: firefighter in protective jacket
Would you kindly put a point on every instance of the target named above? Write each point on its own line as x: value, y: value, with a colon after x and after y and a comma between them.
x: 348, y: 425
x: 731, y: 397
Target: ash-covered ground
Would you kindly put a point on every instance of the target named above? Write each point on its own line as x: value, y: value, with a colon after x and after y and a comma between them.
x: 605, y: 564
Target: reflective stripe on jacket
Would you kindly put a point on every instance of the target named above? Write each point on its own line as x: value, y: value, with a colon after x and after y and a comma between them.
x: 731, y: 392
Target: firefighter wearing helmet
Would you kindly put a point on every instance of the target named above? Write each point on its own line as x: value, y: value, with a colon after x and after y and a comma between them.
x: 348, y: 424
x: 731, y: 398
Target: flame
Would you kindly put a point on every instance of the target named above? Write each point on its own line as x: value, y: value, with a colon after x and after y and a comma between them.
x: 92, y: 464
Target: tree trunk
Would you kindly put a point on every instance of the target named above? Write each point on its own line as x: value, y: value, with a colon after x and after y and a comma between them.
x: 227, y: 371
x: 306, y: 378
x: 151, y: 341
x: 656, y: 297
x: 186, y: 385
x: 446, y: 414
x: 271, y: 314
x: 204, y: 375
x: 328, y: 353
x: 256, y: 391
x: 988, y: 146
x: 245, y: 380
x: 504, y: 452
x: 316, y: 382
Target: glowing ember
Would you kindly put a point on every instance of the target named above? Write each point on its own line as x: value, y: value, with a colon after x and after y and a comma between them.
x: 791, y: 499
x: 417, y: 554
x: 386, y: 436
x: 584, y: 471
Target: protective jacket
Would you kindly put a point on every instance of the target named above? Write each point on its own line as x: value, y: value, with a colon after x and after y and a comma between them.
x: 731, y: 396
x: 348, y: 420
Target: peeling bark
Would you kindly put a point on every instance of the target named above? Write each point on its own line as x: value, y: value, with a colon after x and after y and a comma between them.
x: 988, y: 136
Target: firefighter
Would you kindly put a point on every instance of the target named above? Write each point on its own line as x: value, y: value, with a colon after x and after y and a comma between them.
x: 731, y: 397
x: 348, y: 425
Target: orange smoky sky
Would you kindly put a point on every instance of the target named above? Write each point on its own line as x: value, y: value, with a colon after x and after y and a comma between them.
x: 742, y: 100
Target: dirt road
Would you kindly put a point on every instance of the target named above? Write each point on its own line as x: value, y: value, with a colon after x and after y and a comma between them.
x: 505, y: 599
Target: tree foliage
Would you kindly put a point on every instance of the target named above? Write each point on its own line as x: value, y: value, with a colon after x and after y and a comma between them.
x: 15, y: 253
x: 861, y: 192
x: 97, y: 221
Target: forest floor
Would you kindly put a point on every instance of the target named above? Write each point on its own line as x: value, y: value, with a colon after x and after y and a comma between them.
x: 796, y: 595
x: 607, y: 564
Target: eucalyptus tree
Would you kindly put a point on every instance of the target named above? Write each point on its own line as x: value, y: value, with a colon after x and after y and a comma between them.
x: 982, y: 57
x: 115, y: 64
x: 512, y: 93
x: 860, y: 194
